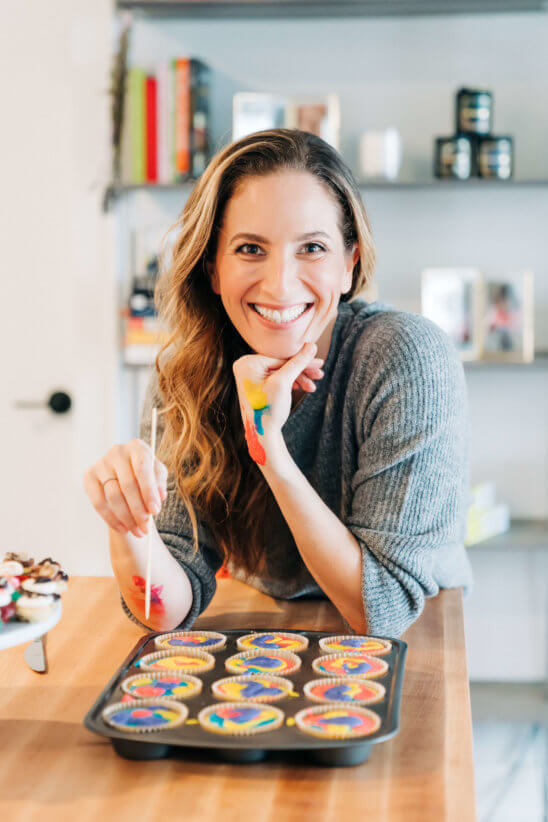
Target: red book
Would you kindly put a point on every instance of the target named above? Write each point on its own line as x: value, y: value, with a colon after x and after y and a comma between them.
x: 151, y: 131
x: 182, y: 116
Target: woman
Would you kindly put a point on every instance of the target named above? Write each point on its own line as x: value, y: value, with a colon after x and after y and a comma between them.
x: 348, y: 481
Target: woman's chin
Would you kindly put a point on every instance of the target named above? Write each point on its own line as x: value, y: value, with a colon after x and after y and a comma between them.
x: 279, y: 352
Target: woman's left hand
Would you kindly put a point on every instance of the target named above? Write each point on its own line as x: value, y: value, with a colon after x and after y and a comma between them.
x: 264, y: 387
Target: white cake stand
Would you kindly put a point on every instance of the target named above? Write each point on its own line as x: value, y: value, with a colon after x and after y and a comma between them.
x: 16, y: 633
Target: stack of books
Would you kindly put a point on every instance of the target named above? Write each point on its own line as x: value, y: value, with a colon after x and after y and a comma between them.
x: 166, y: 122
x: 142, y: 338
x: 486, y: 518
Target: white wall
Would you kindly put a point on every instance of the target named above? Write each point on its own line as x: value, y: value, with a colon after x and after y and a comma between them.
x: 58, y: 329
x: 405, y: 72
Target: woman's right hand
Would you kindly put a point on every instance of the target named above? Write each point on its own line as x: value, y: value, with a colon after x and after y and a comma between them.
x: 127, y: 485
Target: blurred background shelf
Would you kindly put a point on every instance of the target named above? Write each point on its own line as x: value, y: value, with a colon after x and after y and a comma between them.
x: 524, y: 534
x: 203, y: 9
x: 540, y: 362
x: 115, y: 190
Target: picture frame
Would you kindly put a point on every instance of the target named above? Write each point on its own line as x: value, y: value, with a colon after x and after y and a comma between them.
x: 318, y: 114
x: 253, y: 112
x: 507, y: 318
x: 452, y: 298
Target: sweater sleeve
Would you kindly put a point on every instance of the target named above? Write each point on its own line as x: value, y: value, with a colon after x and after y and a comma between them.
x: 175, y: 528
x: 408, y: 495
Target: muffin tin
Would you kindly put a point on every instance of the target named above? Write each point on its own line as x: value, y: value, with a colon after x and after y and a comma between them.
x: 245, y: 749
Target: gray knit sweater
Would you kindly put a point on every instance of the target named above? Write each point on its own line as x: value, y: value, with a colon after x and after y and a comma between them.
x: 384, y: 441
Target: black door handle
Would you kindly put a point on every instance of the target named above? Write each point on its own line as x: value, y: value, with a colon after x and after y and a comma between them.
x: 59, y: 402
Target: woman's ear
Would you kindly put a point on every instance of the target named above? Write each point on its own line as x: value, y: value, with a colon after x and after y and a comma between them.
x: 351, y: 258
x: 213, y: 279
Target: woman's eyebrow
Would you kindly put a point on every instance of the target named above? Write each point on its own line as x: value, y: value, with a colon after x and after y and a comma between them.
x: 259, y: 239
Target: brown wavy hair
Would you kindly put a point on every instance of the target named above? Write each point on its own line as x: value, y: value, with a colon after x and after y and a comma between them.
x: 203, y: 443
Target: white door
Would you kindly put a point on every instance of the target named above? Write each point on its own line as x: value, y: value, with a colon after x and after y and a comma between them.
x: 57, y: 326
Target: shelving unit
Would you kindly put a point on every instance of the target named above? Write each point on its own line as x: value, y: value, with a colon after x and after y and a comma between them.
x: 524, y: 535
x: 116, y: 190
x: 257, y: 9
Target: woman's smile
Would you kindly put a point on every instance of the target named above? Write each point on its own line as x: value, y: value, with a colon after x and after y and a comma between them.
x: 281, y: 319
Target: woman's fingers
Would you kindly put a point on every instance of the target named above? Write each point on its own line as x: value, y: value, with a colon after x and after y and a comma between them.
x: 97, y: 493
x: 314, y: 373
x: 146, y: 470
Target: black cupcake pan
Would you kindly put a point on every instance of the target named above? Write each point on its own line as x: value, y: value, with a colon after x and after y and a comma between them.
x: 254, y: 748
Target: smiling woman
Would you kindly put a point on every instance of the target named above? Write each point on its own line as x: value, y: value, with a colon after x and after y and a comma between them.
x: 358, y: 491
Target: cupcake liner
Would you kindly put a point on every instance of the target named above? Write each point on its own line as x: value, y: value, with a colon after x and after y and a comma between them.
x: 255, y: 683
x: 210, y: 641
x: 370, y: 645
x: 267, y: 642
x: 139, y: 711
x: 185, y: 686
x: 236, y: 664
x: 357, y: 691
x: 356, y: 664
x: 337, y: 720
x: 228, y: 718
x: 188, y: 661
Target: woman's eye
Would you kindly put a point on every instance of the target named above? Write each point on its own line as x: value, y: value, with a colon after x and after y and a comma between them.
x: 247, y: 245
x: 317, y: 245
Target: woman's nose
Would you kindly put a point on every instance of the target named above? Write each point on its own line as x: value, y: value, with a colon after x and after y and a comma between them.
x: 278, y: 278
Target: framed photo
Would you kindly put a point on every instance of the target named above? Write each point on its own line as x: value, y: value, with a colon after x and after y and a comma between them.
x: 452, y: 298
x: 507, y: 330
x: 318, y: 114
x: 256, y: 112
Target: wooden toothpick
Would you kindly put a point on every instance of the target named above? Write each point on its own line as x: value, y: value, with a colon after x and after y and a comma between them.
x: 149, y: 540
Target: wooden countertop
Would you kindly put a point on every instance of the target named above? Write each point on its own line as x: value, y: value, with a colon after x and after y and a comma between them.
x: 53, y: 767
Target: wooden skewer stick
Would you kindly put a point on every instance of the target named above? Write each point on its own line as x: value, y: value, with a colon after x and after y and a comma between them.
x: 149, y: 540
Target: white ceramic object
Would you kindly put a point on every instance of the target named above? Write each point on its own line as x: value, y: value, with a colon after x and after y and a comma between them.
x: 380, y: 154
x: 16, y: 633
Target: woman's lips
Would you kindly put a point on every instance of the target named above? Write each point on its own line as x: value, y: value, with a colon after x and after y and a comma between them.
x: 280, y: 326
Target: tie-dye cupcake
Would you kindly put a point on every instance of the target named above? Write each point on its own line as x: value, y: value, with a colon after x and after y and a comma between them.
x: 202, y: 640
x: 240, y: 718
x: 279, y: 663
x: 145, y: 715
x: 164, y: 686
x: 363, y: 644
x: 273, y: 641
x: 368, y: 667
x: 344, y: 689
x: 253, y: 688
x: 336, y: 721
x: 189, y: 661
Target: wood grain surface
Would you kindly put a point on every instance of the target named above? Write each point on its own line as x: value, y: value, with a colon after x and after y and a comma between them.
x: 54, y: 768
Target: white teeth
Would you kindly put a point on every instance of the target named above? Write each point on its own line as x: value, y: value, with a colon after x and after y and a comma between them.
x: 280, y: 316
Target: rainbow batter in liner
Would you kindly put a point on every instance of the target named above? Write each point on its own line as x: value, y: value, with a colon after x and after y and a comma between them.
x: 276, y: 641
x: 145, y: 715
x: 240, y: 718
x: 208, y: 640
x: 263, y: 662
x: 193, y: 661
x: 345, y: 689
x: 364, y: 644
x: 253, y: 688
x: 350, y: 665
x: 145, y: 686
x: 337, y: 722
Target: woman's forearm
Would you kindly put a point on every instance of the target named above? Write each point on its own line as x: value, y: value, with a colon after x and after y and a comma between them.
x: 171, y: 592
x: 329, y: 550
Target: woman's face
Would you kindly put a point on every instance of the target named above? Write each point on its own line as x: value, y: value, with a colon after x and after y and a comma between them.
x: 281, y: 250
